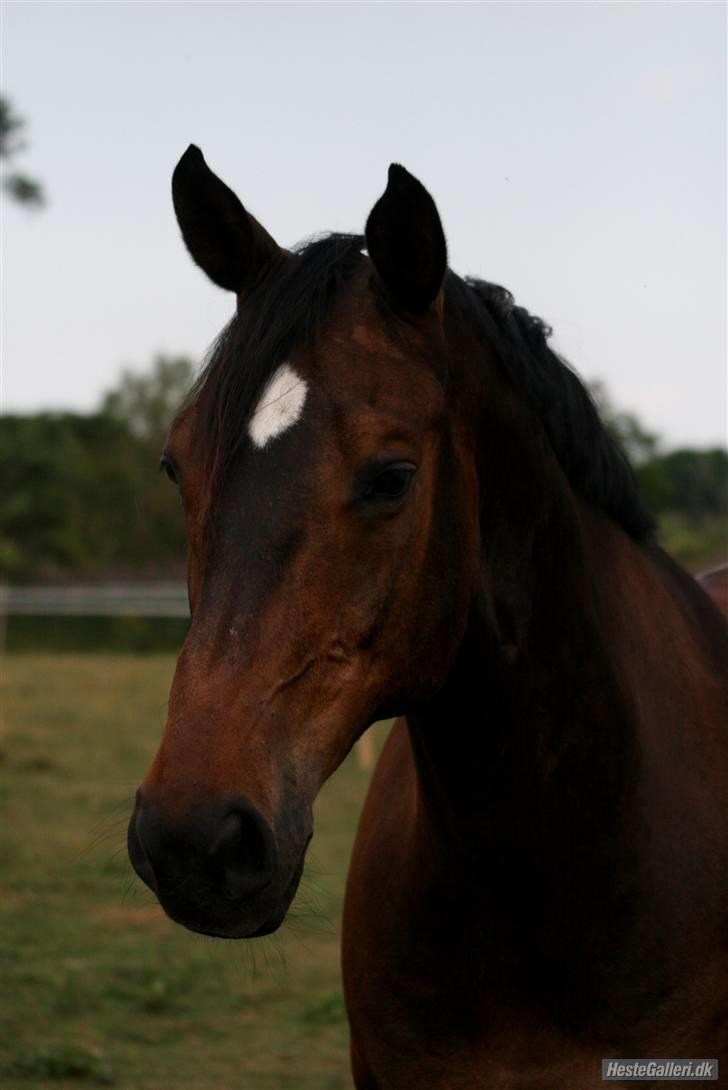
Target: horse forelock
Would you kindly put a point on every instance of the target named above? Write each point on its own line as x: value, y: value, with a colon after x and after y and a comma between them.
x: 283, y: 315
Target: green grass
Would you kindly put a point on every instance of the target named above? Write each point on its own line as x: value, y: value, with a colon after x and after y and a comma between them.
x: 99, y: 988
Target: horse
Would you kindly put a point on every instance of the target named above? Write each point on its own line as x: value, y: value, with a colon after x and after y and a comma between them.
x: 714, y: 582
x: 400, y: 502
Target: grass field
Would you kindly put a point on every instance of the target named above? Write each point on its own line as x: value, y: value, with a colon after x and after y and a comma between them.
x: 98, y: 987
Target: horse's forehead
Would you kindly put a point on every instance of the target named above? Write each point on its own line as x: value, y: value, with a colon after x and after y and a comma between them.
x: 361, y: 363
x: 384, y: 387
x: 372, y: 339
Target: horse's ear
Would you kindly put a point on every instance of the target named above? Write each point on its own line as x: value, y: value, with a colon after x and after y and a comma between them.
x: 223, y: 239
x: 406, y: 242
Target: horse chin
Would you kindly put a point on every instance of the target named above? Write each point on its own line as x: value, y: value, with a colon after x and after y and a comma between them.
x: 231, y: 921
x: 243, y: 931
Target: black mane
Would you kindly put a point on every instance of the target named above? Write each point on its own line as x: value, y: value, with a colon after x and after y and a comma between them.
x: 286, y: 309
x: 594, y: 464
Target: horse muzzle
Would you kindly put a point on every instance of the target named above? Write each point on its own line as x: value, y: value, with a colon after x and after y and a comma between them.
x: 220, y: 870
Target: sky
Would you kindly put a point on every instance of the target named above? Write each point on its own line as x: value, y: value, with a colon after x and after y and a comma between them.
x: 576, y: 152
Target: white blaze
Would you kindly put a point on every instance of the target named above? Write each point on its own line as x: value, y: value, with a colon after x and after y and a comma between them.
x: 279, y: 407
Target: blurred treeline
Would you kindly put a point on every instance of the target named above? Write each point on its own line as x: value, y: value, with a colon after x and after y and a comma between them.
x: 80, y: 493
x: 81, y: 498
x: 686, y: 488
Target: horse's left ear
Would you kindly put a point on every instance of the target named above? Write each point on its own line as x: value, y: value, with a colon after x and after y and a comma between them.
x: 406, y: 242
x: 222, y: 238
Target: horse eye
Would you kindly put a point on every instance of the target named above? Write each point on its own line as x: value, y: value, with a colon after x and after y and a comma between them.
x: 391, y: 483
x: 169, y: 468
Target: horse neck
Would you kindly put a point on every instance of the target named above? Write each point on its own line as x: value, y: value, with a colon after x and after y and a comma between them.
x: 572, y: 765
x: 571, y: 758
x: 532, y: 738
x: 589, y: 660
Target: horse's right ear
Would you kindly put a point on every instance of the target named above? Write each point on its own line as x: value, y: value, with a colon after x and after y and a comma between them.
x: 406, y: 242
x: 223, y: 239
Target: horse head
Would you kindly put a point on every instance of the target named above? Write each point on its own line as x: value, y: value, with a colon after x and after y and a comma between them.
x: 327, y: 475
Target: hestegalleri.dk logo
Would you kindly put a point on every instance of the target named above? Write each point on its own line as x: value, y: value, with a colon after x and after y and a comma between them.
x: 667, y: 1069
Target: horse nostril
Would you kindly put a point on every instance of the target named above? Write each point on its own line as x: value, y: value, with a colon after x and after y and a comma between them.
x: 221, y: 852
x: 244, y: 851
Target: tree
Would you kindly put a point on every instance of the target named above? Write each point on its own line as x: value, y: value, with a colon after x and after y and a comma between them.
x: 80, y: 494
x: 639, y: 444
x: 698, y: 481
x: 642, y: 447
x: 23, y: 189
x: 146, y: 403
x: 66, y: 493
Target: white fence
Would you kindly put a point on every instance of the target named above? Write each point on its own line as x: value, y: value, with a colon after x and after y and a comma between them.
x: 100, y: 600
